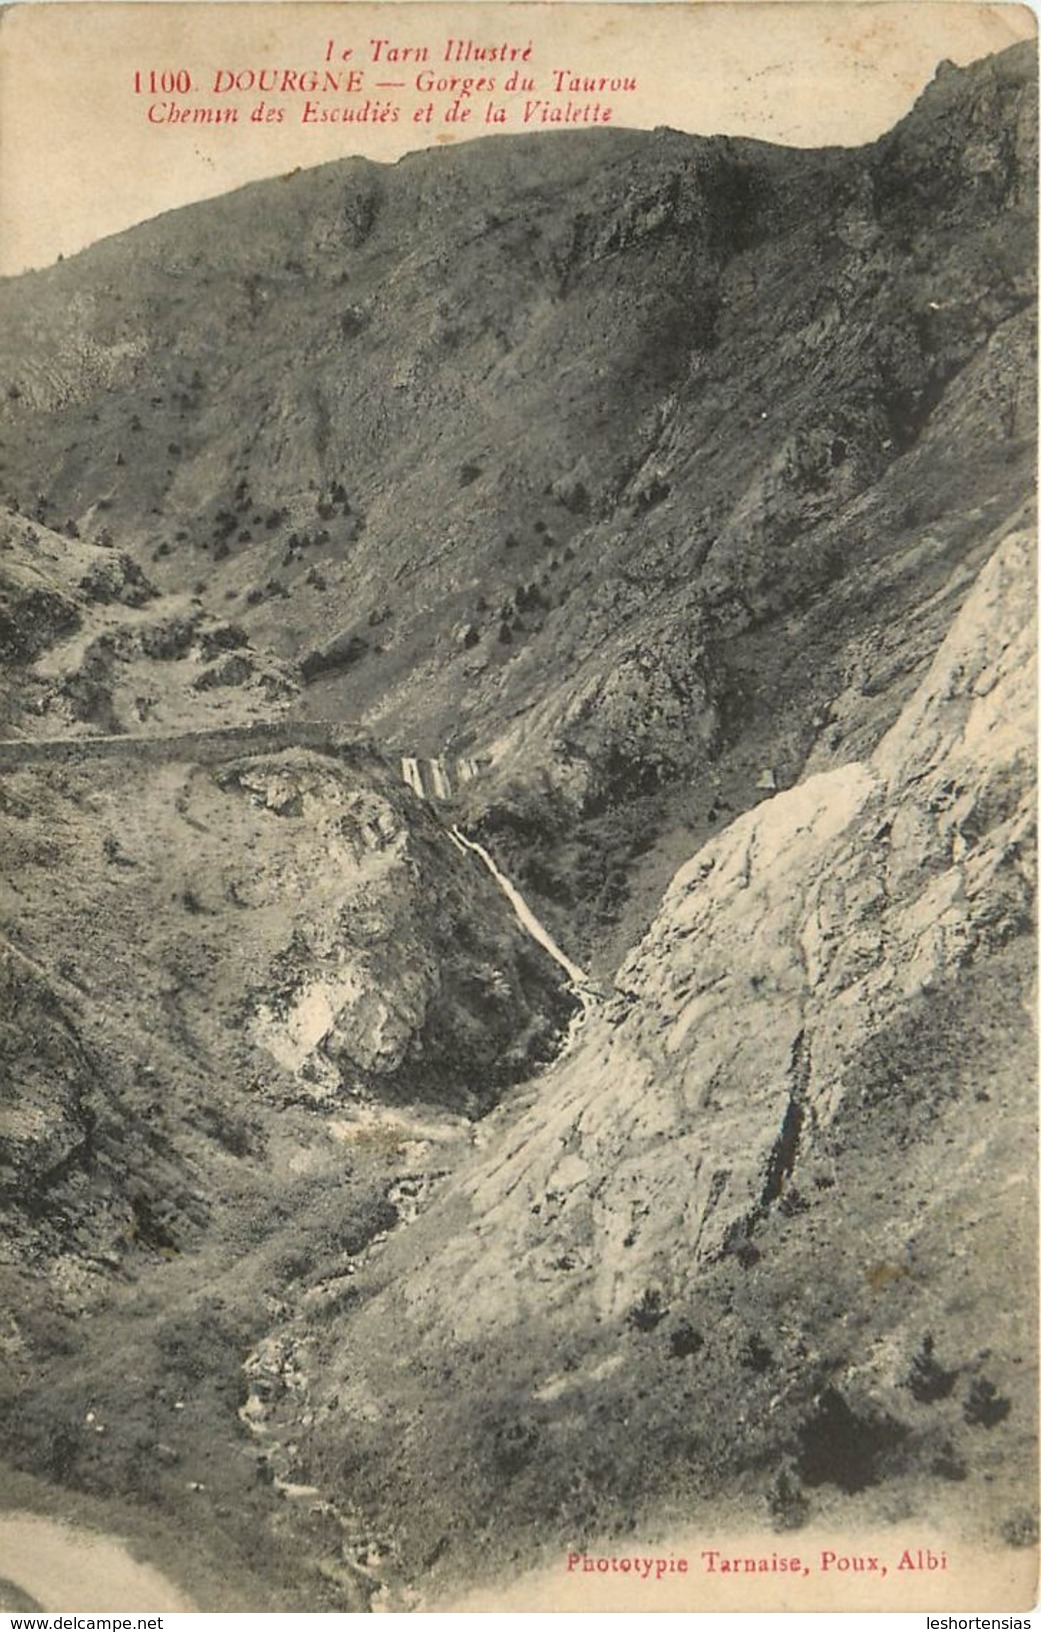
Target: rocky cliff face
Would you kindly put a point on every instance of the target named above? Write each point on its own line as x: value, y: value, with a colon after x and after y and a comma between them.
x: 297, y: 923
x: 354, y: 1253
x: 252, y: 1010
x: 797, y: 1053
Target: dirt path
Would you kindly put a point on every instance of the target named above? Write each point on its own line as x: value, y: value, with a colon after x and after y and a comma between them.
x: 64, y: 1568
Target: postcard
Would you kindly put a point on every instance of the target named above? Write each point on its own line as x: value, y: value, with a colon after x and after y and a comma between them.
x: 517, y: 673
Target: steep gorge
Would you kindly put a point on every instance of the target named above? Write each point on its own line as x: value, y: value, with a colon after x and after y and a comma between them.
x: 800, y: 1053
x: 360, y: 1248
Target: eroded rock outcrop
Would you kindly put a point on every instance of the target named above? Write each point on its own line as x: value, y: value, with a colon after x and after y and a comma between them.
x: 759, y: 1058
x: 778, y: 950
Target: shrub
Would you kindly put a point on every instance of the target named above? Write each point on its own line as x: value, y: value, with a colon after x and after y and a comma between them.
x: 787, y: 1502
x: 985, y: 1407
x: 755, y: 1355
x: 514, y: 1446
x: 341, y: 653
x: 1020, y: 1529
x: 648, y: 1313
x: 947, y: 1464
x: 843, y: 1447
x: 927, y: 1379
x: 685, y: 1341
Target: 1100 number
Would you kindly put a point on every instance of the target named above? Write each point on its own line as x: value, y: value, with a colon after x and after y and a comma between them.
x: 169, y: 81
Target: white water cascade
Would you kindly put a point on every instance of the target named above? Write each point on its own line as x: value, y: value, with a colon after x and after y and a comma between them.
x: 525, y: 917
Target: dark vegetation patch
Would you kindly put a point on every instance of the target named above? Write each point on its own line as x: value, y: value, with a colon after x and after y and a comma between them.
x: 843, y: 1447
x: 341, y: 654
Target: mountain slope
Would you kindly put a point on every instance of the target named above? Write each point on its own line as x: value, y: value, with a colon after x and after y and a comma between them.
x: 754, y: 1184
x: 683, y: 488
x: 252, y: 1009
x: 532, y: 448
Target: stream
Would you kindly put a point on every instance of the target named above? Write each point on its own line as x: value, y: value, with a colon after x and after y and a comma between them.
x: 526, y: 918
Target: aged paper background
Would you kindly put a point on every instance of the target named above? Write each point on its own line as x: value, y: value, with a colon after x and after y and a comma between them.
x: 80, y: 158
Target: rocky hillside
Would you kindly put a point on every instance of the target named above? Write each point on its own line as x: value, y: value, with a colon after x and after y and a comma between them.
x: 89, y: 646
x: 536, y: 448
x: 251, y: 1010
x: 772, y: 1178
x: 682, y: 490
